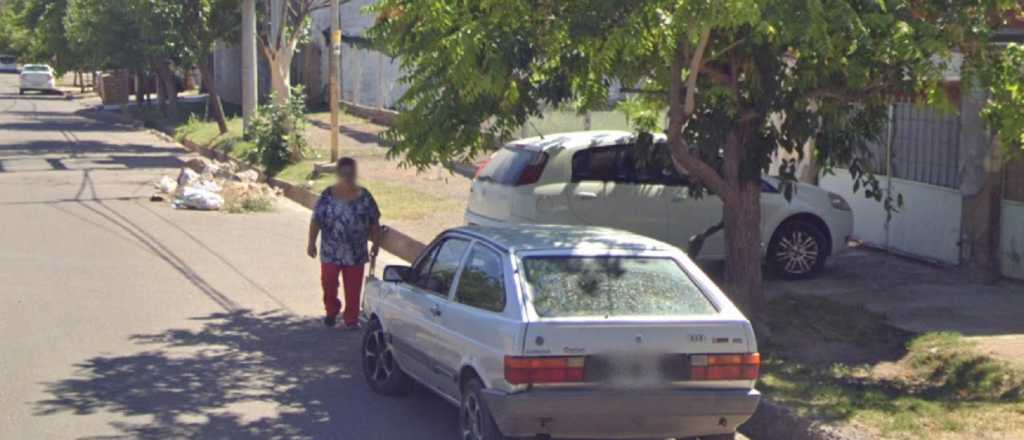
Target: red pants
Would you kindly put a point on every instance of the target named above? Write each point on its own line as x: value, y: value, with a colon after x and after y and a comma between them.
x: 353, y: 277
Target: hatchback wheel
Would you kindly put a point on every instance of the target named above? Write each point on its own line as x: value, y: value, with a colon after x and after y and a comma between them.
x: 797, y: 250
x: 379, y: 365
x: 475, y: 421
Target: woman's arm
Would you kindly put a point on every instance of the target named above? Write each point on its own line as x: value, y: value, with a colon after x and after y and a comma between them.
x: 376, y: 234
x: 314, y: 230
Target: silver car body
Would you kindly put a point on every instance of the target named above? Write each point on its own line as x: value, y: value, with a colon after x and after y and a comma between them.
x: 441, y: 342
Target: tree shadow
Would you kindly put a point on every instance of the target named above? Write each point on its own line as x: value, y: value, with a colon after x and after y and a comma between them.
x: 205, y: 383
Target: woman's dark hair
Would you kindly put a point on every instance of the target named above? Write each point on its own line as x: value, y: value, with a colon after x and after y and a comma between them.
x: 346, y: 162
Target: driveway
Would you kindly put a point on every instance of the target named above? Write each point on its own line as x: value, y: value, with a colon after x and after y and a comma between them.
x: 922, y: 297
x: 125, y: 318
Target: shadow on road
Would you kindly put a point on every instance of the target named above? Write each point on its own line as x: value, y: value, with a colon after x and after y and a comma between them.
x: 202, y: 383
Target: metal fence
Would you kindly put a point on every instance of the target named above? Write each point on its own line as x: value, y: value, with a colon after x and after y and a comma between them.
x: 925, y: 147
x: 370, y: 78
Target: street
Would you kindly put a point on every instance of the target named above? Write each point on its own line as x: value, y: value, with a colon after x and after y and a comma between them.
x: 125, y: 318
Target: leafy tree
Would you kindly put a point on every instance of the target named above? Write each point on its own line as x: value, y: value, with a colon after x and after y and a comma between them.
x: 285, y: 24
x: 739, y: 81
x: 204, y: 23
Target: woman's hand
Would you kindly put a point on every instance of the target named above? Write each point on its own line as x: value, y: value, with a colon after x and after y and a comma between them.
x: 311, y: 250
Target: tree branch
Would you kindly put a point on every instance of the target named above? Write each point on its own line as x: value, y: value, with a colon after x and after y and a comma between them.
x: 680, y: 110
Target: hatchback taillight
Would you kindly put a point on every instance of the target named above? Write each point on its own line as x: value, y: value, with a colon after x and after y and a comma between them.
x: 531, y: 173
x: 530, y: 370
x: 725, y: 366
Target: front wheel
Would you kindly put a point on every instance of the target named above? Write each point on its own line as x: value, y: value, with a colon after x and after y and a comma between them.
x: 475, y: 421
x: 21, y: 91
x: 797, y: 250
x: 379, y: 365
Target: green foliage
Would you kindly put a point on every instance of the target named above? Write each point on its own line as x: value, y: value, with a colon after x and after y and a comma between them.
x: 278, y: 131
x: 1006, y: 97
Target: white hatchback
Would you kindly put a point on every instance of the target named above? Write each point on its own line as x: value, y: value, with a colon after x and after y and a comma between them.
x: 565, y: 332
x: 597, y: 178
x: 39, y: 77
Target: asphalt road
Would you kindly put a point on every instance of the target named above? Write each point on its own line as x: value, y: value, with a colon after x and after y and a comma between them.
x: 125, y: 318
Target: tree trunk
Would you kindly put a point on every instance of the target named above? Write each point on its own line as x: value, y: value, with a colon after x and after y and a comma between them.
x: 213, y: 97
x: 161, y: 92
x: 170, y: 89
x: 140, y: 88
x: 743, y: 274
x: 280, y: 76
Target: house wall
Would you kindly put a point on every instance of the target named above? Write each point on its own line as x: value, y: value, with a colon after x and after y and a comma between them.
x: 928, y: 226
x: 227, y: 72
x: 1012, y: 239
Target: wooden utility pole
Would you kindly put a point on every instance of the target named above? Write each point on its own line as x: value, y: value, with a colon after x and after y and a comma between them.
x: 335, y: 67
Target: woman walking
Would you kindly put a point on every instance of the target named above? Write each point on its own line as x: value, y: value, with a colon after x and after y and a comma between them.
x: 345, y: 217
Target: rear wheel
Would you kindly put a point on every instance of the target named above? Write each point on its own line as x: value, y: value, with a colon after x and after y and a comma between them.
x: 379, y: 365
x: 475, y: 421
x: 797, y: 250
x: 21, y: 91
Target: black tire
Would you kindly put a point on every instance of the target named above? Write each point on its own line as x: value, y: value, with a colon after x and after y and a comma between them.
x: 21, y: 91
x: 798, y: 250
x: 475, y: 420
x: 380, y: 368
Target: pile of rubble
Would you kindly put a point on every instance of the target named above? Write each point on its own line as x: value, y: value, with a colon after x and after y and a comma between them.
x: 210, y: 185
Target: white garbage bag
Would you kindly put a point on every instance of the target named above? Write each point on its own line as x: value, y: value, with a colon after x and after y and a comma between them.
x: 167, y: 185
x: 191, y: 179
x: 198, y: 198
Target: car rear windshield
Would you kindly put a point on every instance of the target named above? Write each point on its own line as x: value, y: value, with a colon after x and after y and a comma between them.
x: 569, y: 286
x: 514, y: 166
x: 7, y: 60
x: 35, y: 69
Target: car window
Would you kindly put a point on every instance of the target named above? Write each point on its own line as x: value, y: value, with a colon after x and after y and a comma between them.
x: 570, y: 286
x: 482, y: 284
x: 439, y: 278
x: 422, y: 268
x: 602, y: 164
x: 36, y: 69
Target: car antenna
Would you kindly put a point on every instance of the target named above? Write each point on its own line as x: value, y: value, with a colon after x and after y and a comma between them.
x: 535, y: 129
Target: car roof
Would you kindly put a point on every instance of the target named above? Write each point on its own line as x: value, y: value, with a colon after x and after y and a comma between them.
x: 575, y: 140
x: 522, y: 237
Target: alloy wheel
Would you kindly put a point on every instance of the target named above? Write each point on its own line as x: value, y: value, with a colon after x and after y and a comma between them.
x: 377, y: 356
x: 798, y: 252
x: 470, y: 418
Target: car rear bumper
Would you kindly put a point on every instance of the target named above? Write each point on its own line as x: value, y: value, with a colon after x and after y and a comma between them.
x: 621, y: 414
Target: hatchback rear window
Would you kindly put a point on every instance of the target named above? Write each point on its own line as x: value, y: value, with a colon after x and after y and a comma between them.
x: 35, y: 69
x: 514, y: 166
x: 570, y: 286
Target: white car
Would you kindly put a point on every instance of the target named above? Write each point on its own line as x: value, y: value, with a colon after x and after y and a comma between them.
x: 8, y: 63
x: 37, y: 77
x: 564, y: 332
x: 598, y: 178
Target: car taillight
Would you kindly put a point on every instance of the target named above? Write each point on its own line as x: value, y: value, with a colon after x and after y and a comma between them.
x: 480, y: 168
x: 531, y: 174
x: 725, y: 366
x: 530, y: 370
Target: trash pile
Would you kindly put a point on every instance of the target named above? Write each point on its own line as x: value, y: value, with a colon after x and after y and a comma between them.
x: 210, y: 185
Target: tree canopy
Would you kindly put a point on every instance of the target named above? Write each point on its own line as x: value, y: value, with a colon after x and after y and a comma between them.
x: 730, y: 82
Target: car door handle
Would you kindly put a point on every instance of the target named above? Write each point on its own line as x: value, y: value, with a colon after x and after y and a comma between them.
x: 586, y: 195
x: 435, y: 310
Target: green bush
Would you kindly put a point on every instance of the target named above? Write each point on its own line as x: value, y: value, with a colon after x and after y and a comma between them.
x: 278, y: 132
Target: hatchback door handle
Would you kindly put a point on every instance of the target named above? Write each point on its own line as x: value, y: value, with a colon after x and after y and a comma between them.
x: 586, y: 195
x: 435, y: 310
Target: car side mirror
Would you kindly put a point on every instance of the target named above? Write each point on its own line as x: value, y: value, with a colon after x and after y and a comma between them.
x: 396, y: 273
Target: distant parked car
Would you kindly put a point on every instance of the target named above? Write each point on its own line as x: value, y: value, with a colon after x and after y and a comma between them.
x: 559, y: 331
x: 8, y: 63
x: 597, y: 178
x: 37, y: 77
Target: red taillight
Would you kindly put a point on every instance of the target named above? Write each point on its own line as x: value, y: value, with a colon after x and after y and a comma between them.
x: 531, y: 174
x: 725, y: 366
x: 480, y: 168
x: 528, y: 370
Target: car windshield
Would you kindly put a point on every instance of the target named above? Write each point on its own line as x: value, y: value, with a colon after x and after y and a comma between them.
x: 570, y: 286
x: 31, y: 68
